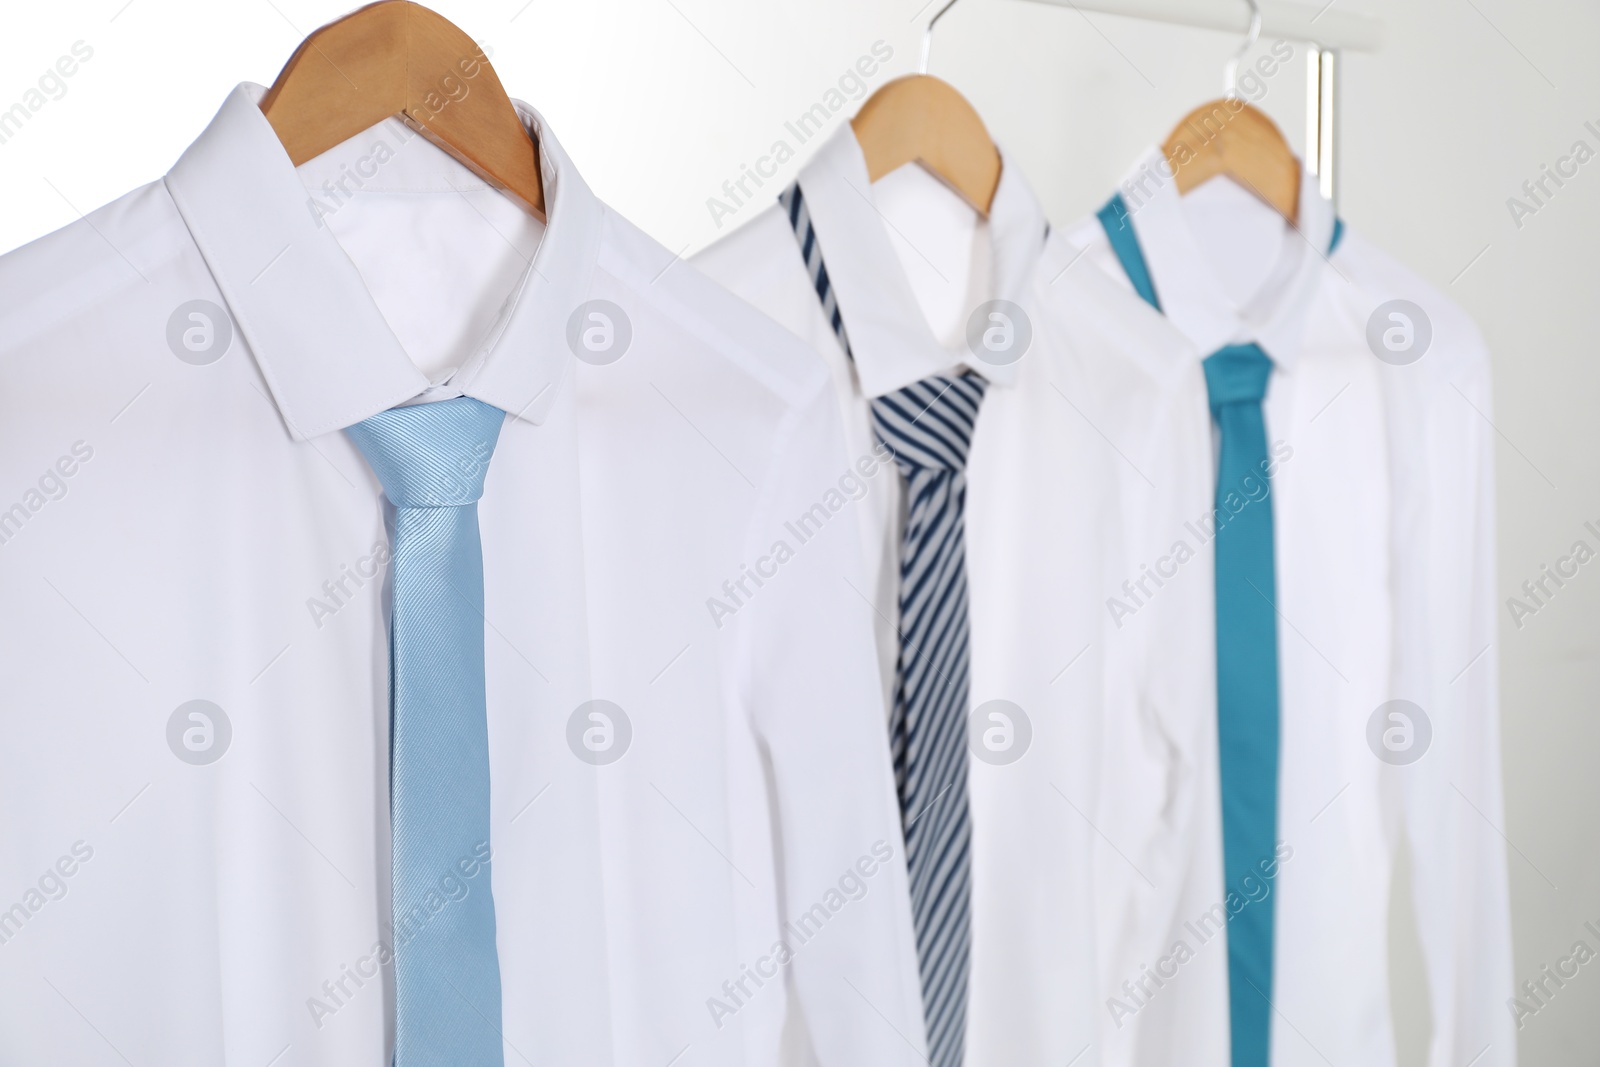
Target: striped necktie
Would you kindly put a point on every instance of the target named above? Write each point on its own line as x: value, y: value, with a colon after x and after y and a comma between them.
x: 928, y: 427
x: 431, y: 460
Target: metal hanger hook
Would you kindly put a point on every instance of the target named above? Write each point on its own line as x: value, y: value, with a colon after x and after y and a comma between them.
x: 927, y: 35
x: 1230, y: 73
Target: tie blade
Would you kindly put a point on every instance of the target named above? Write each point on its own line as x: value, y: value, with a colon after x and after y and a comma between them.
x: 432, y: 460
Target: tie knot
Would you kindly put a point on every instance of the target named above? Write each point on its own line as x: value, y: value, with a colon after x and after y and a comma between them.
x: 928, y: 424
x: 430, y: 455
x: 1237, y: 374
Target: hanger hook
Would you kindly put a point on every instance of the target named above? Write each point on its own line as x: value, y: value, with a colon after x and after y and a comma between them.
x: 1230, y: 74
x: 927, y: 35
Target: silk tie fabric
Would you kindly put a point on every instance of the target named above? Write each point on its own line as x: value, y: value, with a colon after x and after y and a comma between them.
x: 431, y: 460
x: 1247, y: 688
x: 928, y: 426
x: 1247, y: 656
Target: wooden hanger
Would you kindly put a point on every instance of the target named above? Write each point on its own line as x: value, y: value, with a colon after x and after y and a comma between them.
x: 920, y: 119
x: 395, y: 57
x: 1230, y: 138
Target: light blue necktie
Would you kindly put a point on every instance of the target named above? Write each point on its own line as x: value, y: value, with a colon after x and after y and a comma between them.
x: 1247, y: 687
x: 928, y: 426
x: 431, y: 460
x: 1247, y: 654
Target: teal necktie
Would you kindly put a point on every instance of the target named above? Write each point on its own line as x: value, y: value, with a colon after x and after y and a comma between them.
x: 1247, y: 654
x: 1247, y: 688
x: 431, y: 460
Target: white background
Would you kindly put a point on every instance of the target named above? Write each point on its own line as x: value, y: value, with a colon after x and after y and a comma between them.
x: 661, y: 101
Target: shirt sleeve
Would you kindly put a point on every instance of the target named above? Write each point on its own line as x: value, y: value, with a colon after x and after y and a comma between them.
x: 1442, y: 446
x: 812, y: 687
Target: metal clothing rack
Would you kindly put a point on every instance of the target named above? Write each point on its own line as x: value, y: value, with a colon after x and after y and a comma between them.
x: 1327, y: 29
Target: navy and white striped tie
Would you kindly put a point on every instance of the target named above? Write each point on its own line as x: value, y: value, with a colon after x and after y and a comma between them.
x: 928, y: 426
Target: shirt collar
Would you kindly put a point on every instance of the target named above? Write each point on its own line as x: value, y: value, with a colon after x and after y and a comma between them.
x: 324, y: 348
x: 889, y: 337
x: 1191, y: 295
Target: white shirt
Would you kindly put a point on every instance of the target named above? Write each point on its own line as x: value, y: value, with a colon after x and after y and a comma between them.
x: 1063, y: 458
x: 191, y: 524
x: 1383, y: 521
